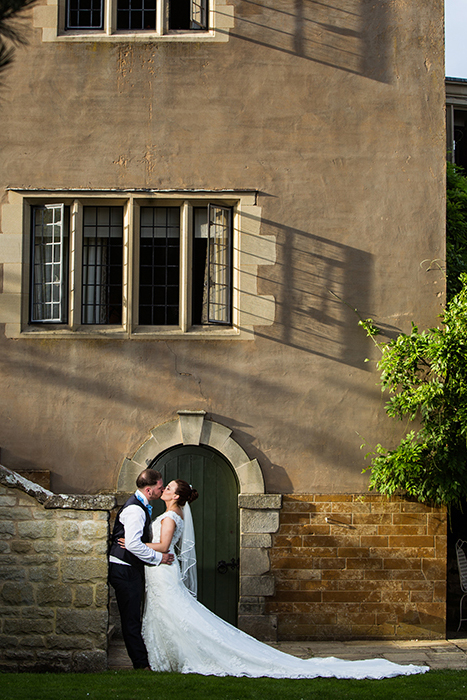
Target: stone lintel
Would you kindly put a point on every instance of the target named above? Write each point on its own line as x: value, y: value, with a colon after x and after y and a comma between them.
x: 260, y: 501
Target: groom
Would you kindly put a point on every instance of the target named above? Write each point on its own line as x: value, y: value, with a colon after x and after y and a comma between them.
x: 126, y: 571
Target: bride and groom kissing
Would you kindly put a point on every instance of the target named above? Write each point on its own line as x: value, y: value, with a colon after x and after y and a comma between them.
x: 177, y: 633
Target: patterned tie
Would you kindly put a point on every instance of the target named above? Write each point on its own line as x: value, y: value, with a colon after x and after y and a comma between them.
x: 149, y: 507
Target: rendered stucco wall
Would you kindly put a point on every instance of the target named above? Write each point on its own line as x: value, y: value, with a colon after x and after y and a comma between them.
x: 335, y: 116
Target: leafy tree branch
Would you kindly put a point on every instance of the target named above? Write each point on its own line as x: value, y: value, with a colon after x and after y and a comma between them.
x: 425, y: 374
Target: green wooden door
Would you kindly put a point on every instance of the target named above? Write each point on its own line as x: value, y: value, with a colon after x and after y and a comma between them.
x: 215, y: 516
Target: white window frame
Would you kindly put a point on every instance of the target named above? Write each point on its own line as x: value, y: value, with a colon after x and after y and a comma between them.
x: 250, y: 249
x: 51, y: 18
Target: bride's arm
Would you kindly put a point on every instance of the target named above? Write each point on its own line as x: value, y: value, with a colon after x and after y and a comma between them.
x: 167, y: 531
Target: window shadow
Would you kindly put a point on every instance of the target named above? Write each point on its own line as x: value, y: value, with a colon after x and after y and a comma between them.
x: 352, y: 35
x: 321, y: 287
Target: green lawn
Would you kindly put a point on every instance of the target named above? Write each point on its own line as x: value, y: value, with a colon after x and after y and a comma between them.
x: 142, y: 685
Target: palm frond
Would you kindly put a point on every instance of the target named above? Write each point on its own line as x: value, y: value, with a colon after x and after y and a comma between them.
x: 11, y: 30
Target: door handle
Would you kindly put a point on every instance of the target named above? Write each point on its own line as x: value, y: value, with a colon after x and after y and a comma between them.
x: 224, y: 566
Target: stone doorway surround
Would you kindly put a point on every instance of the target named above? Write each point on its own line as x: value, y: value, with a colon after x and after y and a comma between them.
x: 259, y: 511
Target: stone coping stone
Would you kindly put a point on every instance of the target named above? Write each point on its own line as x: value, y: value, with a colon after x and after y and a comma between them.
x: 50, y: 500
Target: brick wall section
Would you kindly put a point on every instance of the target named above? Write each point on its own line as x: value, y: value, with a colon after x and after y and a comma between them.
x: 349, y: 566
x: 53, y: 579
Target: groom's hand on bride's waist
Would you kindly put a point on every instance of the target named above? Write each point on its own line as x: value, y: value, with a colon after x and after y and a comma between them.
x: 167, y: 558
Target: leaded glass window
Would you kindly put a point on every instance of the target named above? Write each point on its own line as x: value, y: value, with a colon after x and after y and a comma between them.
x: 85, y: 14
x: 159, y: 267
x: 49, y: 277
x: 102, y: 284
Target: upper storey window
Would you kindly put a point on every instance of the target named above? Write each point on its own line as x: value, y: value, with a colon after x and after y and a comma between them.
x: 158, y: 16
x: 112, y: 21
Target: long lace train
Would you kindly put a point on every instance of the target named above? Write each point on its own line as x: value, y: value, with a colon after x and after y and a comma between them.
x: 182, y: 635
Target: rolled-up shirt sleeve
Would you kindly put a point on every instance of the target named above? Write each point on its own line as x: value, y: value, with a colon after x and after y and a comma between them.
x: 133, y: 520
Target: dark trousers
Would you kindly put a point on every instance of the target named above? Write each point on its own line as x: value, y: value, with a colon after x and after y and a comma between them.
x: 129, y: 588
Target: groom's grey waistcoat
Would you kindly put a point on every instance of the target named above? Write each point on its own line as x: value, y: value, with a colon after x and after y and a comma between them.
x: 119, y: 531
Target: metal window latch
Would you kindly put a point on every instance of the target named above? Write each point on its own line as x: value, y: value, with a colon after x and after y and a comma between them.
x: 224, y: 566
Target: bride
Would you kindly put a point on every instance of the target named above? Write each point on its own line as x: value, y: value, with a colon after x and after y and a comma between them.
x: 182, y: 635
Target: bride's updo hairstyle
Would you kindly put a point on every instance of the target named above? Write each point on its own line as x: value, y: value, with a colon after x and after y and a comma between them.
x: 185, y: 492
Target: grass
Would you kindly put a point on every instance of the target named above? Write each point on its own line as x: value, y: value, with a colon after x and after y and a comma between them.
x: 141, y: 685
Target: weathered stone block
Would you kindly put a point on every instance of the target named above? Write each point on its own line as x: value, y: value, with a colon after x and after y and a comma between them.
x: 100, y: 548
x: 101, y: 595
x: 54, y: 657
x: 15, y: 514
x: 65, y: 641
x: 257, y: 585
x: 256, y: 540
x: 80, y: 570
x: 8, y: 642
x: 262, y: 627
x: 6, y: 501
x: 12, y: 573
x: 80, y: 547
x: 21, y: 546
x: 70, y: 531
x: 43, y: 573
x: 27, y: 625
x: 254, y: 562
x: 257, y: 607
x: 53, y: 594
x: 19, y: 654
x: 258, y: 521
x: 83, y: 596
x: 37, y: 530
x: 7, y: 527
x: 94, y: 530
x: 32, y: 641
x: 17, y: 593
x: 260, y: 501
x: 90, y: 661
x: 49, y: 546
x: 86, y: 622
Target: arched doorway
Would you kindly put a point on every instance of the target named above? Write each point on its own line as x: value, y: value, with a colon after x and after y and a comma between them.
x: 215, y: 516
x: 258, y: 512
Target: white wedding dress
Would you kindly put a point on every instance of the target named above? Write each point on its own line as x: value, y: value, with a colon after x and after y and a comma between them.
x: 183, y: 636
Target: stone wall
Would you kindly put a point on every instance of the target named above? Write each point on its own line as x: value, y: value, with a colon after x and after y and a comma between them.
x: 349, y: 566
x: 53, y: 578
x: 259, y: 518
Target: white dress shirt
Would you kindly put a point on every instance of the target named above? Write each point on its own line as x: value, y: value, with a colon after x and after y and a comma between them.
x: 133, y: 519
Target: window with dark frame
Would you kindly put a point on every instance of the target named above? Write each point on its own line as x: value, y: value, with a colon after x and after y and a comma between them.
x: 84, y: 14
x: 137, y: 15
x: 101, y: 272
x: 212, y: 265
x: 159, y: 266
x: 49, y: 264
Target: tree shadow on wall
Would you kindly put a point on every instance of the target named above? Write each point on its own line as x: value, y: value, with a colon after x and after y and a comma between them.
x: 352, y: 35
